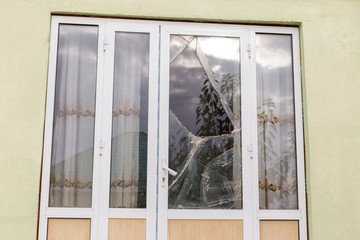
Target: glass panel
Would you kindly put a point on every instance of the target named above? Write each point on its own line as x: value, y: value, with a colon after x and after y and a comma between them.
x: 276, y: 122
x: 204, y: 134
x: 130, y: 121
x: 60, y: 229
x: 74, y: 116
x: 279, y: 230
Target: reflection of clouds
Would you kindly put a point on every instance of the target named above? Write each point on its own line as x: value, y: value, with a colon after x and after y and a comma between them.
x: 187, y: 56
x: 273, y: 51
x: 187, y: 75
x: 178, y: 44
x: 85, y: 36
x: 221, y: 47
x: 185, y: 89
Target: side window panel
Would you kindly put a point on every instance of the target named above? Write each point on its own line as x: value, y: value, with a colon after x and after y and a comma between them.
x: 74, y: 117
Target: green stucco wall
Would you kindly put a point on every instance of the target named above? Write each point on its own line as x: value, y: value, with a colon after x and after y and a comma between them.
x: 330, y: 32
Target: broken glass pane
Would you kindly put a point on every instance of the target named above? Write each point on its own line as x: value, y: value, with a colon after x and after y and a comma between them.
x: 204, y: 134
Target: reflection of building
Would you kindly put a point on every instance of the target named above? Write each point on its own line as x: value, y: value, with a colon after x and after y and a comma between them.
x: 142, y: 169
x: 80, y: 183
x: 129, y: 169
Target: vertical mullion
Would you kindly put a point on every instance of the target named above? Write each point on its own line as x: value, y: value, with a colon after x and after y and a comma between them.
x: 248, y: 88
x: 162, y: 228
x: 254, y: 136
x: 107, y: 96
x: 98, y: 135
x: 151, y: 183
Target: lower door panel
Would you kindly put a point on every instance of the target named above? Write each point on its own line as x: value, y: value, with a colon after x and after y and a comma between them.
x: 279, y: 230
x: 120, y: 229
x: 65, y: 229
x: 205, y: 229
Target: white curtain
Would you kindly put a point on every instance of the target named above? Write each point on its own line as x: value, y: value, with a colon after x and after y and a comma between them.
x: 130, y: 70
x: 276, y: 123
x: 74, y: 112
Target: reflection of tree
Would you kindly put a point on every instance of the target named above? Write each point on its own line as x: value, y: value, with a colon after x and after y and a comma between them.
x: 276, y: 168
x: 210, y: 113
x: 178, y: 149
x: 229, y: 84
x: 207, y: 181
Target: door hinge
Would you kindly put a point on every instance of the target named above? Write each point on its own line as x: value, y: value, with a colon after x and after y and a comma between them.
x: 248, y: 50
x: 101, y: 147
x: 251, y: 151
x: 105, y: 44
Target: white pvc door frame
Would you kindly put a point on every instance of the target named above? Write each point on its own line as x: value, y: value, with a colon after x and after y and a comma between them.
x: 251, y: 214
x: 234, y: 31
x: 157, y: 213
x: 100, y: 213
x: 148, y: 213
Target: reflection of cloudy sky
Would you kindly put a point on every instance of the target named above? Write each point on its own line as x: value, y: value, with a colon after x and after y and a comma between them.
x: 221, y: 47
x: 275, y: 50
x: 187, y: 75
x: 274, y: 71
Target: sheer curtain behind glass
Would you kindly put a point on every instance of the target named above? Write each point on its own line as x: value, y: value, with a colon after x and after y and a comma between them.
x: 129, y: 130
x: 74, y: 113
x: 276, y: 122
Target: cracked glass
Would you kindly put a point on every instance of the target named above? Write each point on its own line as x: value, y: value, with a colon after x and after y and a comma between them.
x: 205, y: 127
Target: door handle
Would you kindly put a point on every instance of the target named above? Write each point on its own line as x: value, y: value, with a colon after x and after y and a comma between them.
x: 165, y: 170
x: 171, y: 172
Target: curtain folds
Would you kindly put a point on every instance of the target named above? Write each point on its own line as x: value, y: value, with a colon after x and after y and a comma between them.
x: 130, y: 71
x: 74, y: 112
x: 276, y: 123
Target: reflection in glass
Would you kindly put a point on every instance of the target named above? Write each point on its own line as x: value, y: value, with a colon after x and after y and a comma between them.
x: 276, y: 123
x: 130, y: 118
x: 204, y: 131
x: 74, y: 113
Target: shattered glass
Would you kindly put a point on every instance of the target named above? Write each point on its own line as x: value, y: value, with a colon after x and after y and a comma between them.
x: 205, y: 128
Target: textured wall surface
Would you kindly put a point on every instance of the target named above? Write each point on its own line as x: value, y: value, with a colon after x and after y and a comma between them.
x: 331, y: 79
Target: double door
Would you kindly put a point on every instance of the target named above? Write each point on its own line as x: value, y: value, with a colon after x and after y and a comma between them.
x: 167, y: 131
